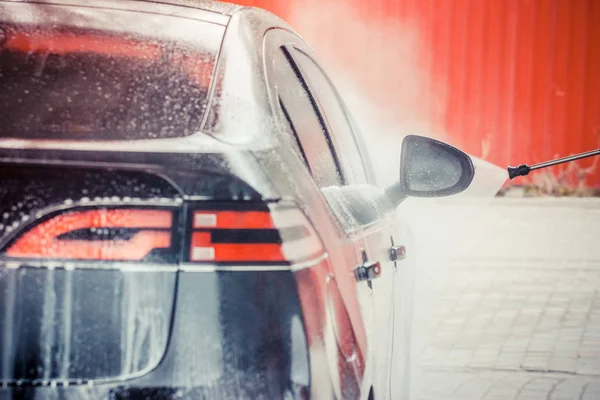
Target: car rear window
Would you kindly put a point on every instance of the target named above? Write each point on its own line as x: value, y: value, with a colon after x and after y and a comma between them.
x: 103, y: 74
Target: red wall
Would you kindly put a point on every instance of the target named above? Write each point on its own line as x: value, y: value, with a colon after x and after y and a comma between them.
x: 510, y: 81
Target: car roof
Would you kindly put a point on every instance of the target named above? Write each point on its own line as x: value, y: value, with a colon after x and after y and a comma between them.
x: 204, y: 10
x: 209, y: 5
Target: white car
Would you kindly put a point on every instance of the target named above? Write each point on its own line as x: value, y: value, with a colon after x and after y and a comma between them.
x: 186, y: 211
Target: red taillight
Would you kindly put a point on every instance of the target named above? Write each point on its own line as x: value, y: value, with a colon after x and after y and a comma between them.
x: 270, y: 234
x: 68, y: 235
x: 233, y: 220
x: 276, y: 234
x: 204, y: 249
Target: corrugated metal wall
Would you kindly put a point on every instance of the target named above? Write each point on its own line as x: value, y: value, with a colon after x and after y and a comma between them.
x: 511, y: 81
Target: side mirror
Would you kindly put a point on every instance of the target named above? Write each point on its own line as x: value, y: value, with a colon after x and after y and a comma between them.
x: 430, y: 168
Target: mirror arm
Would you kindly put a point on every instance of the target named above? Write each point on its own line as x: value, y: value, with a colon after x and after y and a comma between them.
x: 395, y: 194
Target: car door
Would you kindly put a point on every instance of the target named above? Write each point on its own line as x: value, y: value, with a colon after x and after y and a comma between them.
x: 372, y: 219
x: 333, y: 159
x: 298, y: 172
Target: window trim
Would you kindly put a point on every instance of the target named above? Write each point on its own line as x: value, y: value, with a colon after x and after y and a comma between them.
x: 318, y: 111
x: 324, y: 120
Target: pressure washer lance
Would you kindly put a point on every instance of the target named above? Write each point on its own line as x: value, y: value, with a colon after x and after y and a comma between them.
x: 525, y: 169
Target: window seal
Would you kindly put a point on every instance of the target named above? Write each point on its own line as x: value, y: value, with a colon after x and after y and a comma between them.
x: 349, y: 120
x: 287, y: 53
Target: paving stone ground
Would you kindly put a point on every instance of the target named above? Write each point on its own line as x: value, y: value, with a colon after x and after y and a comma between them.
x: 508, y: 303
x: 495, y: 385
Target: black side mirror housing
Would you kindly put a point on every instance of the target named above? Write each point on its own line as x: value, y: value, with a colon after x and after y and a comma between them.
x: 430, y: 168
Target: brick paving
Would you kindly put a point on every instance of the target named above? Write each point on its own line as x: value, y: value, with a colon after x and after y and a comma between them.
x: 508, y: 302
x: 493, y: 385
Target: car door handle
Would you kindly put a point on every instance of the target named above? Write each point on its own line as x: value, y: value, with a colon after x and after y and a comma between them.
x: 367, y: 271
x: 397, y: 253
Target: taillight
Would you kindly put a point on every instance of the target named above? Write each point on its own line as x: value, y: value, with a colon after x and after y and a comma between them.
x: 269, y: 234
x: 126, y: 234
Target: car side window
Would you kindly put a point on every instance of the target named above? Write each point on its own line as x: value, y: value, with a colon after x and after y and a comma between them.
x: 336, y: 119
x: 299, y: 109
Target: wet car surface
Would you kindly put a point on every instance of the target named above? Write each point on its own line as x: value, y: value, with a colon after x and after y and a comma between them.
x: 187, y: 211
